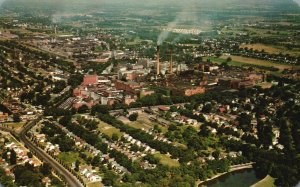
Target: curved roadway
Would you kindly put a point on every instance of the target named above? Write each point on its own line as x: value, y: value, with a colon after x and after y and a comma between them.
x: 63, y: 172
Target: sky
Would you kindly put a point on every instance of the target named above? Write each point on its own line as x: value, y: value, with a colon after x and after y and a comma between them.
x: 298, y: 2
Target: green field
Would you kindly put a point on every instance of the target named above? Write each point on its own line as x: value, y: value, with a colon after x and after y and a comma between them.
x: 69, y: 157
x: 272, y: 49
x: 94, y: 184
x: 240, y: 61
x: 109, y: 130
x: 166, y: 160
x: 15, y: 126
x: 142, y: 122
x: 268, y: 181
x: 139, y: 124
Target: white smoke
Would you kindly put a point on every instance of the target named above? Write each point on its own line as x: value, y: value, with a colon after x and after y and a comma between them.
x: 56, y: 18
x: 165, y: 33
x: 186, y: 15
x: 1, y: 2
x: 297, y: 1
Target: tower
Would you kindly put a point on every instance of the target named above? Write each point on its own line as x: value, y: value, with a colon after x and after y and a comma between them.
x: 157, y: 62
x: 171, y: 61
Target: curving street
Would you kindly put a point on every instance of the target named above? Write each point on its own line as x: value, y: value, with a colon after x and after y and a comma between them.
x: 68, y: 177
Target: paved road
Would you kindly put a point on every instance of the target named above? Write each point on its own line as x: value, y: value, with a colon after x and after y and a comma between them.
x: 68, y: 176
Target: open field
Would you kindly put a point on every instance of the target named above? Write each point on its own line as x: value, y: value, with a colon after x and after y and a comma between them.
x: 166, y: 160
x: 15, y: 126
x: 94, y: 184
x: 239, y: 61
x: 108, y: 129
x: 272, y: 49
x: 136, y: 41
x: 69, y: 157
x: 268, y: 181
x: 139, y: 124
x: 142, y: 122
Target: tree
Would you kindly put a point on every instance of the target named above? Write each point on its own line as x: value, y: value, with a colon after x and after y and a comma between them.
x: 83, y: 109
x: 29, y: 154
x: 16, y: 118
x: 45, y: 169
x: 229, y: 59
x: 216, y: 154
x: 245, y: 121
x: 96, y: 160
x: 133, y: 116
x: 110, y: 178
x: 13, y: 157
x: 65, y: 120
x: 4, y: 155
x: 225, y: 65
x: 260, y: 130
x: 27, y: 176
x: 285, y: 137
x: 151, y: 159
x: 102, y: 109
x: 6, y: 180
x: 207, y: 108
x: 77, y: 163
x: 268, y: 136
x: 115, y: 137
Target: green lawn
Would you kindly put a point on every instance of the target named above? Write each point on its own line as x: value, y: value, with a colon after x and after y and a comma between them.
x: 239, y: 61
x: 15, y: 125
x: 109, y: 130
x: 268, y: 181
x: 220, y: 61
x: 166, y: 160
x: 139, y: 124
x: 69, y: 157
x: 94, y: 184
x: 142, y: 123
x: 136, y: 41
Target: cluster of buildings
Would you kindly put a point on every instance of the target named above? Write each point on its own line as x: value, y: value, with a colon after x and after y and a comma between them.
x: 90, y: 174
x: 48, y: 146
x: 125, y: 148
x: 104, y: 158
x: 131, y: 81
x: 22, y: 154
x: 106, y: 91
x: 3, y: 117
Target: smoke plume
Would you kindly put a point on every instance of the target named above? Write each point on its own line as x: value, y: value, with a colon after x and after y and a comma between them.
x: 1, y: 2
x: 165, y: 33
x: 186, y: 15
x: 297, y: 1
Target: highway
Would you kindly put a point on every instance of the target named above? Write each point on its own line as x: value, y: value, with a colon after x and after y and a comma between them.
x: 67, y: 176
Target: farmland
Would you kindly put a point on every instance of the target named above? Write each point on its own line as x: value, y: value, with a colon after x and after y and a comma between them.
x: 272, y: 49
x: 240, y: 61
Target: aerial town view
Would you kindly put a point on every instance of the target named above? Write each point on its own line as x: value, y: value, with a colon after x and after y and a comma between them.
x: 159, y: 93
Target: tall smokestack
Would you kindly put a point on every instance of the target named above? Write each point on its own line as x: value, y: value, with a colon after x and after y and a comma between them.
x: 171, y: 61
x: 157, y: 63
x: 55, y: 33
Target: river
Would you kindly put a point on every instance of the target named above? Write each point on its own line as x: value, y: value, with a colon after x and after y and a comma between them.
x: 240, y: 178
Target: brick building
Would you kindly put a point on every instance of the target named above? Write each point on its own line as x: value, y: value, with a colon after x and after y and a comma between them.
x: 188, y: 91
x: 90, y: 80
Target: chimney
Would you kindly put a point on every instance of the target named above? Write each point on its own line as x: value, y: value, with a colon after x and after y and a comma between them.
x: 158, y: 64
x: 171, y: 61
x: 55, y: 33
